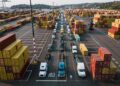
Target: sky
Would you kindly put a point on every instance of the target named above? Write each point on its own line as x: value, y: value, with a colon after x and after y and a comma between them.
x: 50, y: 2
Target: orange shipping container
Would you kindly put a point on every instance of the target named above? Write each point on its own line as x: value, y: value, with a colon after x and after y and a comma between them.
x: 104, y: 54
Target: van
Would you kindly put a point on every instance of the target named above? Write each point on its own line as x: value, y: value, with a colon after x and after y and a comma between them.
x: 74, y: 49
x: 81, y: 70
x: 43, y: 69
x: 53, y: 36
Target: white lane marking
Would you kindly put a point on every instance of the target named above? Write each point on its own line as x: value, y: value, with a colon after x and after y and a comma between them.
x: 107, y: 35
x: 34, y: 57
x: 27, y: 77
x: 51, y: 80
x: 116, y: 62
x: 112, y: 38
x: 29, y: 74
x: 95, y: 40
x: 81, y: 80
x: 113, y: 59
x: 25, y: 34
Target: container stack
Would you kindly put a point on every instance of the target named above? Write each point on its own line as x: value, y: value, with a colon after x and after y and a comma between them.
x: 24, y: 21
x: 13, y: 58
x: 101, y: 66
x: 114, y: 32
x: 104, y: 20
x: 96, y: 18
x: 46, y: 21
x: 78, y: 27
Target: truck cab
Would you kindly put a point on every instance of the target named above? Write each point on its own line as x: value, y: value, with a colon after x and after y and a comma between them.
x: 81, y: 70
x: 43, y: 69
x: 61, y: 69
x: 74, y: 49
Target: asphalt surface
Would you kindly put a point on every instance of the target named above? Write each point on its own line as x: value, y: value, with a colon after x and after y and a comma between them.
x: 93, y: 40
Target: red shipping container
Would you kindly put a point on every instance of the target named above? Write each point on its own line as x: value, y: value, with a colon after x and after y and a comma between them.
x: 1, y: 62
x: 93, y: 75
x: 111, y: 76
x: 115, y: 28
x: 92, y: 68
x: 98, y: 77
x: 98, y: 70
x: 106, y: 77
x: 75, y: 31
x: 7, y: 40
x: 113, y: 31
x: 104, y: 53
x: 98, y: 62
x: 106, y: 64
x: 95, y: 59
x: 77, y: 26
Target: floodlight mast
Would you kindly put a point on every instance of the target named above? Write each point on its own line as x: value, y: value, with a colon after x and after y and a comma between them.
x: 4, y: 4
x: 34, y: 59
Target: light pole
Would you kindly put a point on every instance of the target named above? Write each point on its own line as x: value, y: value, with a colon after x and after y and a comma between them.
x: 4, y: 4
x: 31, y: 9
x: 33, y: 34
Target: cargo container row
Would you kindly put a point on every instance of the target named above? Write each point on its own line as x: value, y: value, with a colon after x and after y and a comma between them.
x: 114, y: 32
x: 14, y: 57
x: 101, y: 65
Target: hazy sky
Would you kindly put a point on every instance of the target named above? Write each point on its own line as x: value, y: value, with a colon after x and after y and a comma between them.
x: 50, y: 2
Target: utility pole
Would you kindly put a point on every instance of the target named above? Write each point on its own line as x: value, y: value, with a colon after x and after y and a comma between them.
x: 4, y: 4
x: 34, y: 59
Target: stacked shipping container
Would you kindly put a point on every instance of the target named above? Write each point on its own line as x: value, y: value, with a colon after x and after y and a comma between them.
x: 77, y: 25
x: 13, y: 58
x: 104, y: 20
x: 47, y: 20
x: 114, y: 32
x: 101, y: 66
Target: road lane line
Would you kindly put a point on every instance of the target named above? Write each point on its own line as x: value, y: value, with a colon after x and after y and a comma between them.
x: 51, y: 80
x: 113, y: 59
x: 107, y: 35
x: 112, y: 39
x: 24, y: 34
x: 41, y: 49
x: 29, y: 74
x: 26, y: 80
x: 116, y: 62
x: 94, y: 40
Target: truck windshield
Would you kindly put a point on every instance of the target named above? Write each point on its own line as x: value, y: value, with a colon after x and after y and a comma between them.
x: 81, y: 70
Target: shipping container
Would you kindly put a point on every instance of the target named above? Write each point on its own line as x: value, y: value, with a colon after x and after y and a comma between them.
x: 7, y: 61
x: 83, y: 49
x: 113, y: 68
x: 1, y: 55
x: 7, y: 40
x: 113, y: 35
x: 12, y: 49
x: 3, y: 76
x: 10, y: 76
x: 104, y: 54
